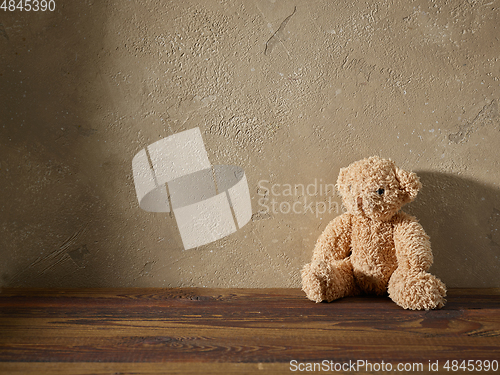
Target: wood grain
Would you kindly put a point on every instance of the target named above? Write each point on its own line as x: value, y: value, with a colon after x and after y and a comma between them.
x: 249, y: 330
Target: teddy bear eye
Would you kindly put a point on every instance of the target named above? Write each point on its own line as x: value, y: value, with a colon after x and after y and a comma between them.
x: 380, y: 191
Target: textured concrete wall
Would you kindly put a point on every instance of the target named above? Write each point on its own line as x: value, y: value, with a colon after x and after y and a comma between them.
x: 289, y: 91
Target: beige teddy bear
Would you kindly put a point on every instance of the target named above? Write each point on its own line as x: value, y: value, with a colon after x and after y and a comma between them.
x: 374, y: 247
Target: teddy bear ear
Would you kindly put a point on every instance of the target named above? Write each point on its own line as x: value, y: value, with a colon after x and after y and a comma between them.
x: 409, y: 183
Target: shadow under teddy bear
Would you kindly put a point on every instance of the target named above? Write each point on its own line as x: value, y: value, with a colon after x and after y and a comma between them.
x: 462, y: 218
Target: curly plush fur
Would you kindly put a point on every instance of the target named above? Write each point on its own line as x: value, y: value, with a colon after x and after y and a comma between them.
x: 374, y: 247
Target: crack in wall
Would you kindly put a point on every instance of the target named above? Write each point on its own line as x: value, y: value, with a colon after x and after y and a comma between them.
x: 64, y: 253
x: 488, y: 114
x: 278, y: 35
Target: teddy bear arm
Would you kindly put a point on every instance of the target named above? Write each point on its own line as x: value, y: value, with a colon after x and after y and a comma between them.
x: 410, y: 285
x: 412, y: 244
x: 335, y: 241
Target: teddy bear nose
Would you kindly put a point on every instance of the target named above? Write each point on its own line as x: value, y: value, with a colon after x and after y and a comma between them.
x: 359, y: 201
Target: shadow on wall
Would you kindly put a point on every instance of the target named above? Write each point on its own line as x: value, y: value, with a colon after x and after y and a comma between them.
x: 462, y: 217
x: 54, y: 210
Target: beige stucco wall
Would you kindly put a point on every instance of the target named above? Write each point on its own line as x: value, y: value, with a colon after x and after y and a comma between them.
x: 289, y: 91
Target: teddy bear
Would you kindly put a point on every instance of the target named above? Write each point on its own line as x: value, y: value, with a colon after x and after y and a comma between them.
x: 374, y: 247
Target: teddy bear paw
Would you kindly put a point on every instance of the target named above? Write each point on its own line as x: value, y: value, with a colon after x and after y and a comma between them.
x: 323, y: 281
x: 421, y: 291
x: 312, y: 284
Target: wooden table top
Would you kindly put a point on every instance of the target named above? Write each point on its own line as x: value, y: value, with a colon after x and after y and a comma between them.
x: 219, y: 331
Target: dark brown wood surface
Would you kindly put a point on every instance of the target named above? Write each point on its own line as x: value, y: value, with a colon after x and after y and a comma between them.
x: 190, y: 330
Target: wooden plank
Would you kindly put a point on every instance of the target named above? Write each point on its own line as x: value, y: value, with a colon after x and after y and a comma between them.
x: 198, y: 327
x: 85, y: 368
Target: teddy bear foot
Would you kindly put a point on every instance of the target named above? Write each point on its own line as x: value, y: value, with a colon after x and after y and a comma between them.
x: 323, y: 282
x: 421, y: 291
x: 312, y: 285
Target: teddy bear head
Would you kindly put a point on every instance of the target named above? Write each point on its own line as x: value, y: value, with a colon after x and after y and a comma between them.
x: 376, y: 188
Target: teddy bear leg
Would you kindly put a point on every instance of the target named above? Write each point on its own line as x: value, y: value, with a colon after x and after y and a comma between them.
x: 324, y: 281
x: 416, y: 290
